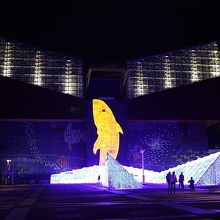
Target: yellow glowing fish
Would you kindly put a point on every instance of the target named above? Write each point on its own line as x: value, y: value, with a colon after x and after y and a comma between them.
x: 108, y: 131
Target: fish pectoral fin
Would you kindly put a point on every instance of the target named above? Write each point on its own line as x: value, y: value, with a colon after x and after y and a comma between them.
x: 119, y: 129
x: 95, y: 149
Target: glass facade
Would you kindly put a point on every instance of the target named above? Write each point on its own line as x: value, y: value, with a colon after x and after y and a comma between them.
x: 42, y: 68
x: 181, y: 67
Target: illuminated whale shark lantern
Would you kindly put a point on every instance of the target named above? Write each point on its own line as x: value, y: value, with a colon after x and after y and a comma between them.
x: 108, y: 131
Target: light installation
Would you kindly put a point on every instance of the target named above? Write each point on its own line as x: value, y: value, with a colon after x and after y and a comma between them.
x: 108, y: 131
x: 205, y: 171
x: 31, y: 141
x: 118, y: 177
x: 111, y: 175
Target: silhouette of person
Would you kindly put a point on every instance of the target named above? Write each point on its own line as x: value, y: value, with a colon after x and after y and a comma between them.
x: 191, y: 184
x: 173, y: 181
x: 168, y: 176
x: 181, y: 180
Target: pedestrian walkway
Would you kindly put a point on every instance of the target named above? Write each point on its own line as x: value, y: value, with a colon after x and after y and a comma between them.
x: 92, y: 201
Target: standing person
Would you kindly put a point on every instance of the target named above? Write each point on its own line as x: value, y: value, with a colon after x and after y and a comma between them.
x: 173, y: 181
x: 181, y: 180
x: 191, y: 184
x: 168, y: 176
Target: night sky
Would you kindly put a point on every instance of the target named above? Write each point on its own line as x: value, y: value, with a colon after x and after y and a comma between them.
x: 106, y: 33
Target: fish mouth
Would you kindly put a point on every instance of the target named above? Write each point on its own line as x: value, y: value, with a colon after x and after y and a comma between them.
x: 95, y: 101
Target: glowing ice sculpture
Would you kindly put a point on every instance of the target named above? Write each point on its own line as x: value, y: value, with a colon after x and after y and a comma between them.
x: 84, y: 175
x: 118, y: 177
x: 205, y: 171
x: 112, y: 175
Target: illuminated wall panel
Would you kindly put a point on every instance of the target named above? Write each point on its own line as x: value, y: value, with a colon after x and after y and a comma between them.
x: 40, y: 67
x: 166, y: 144
x: 42, y: 147
x: 169, y: 70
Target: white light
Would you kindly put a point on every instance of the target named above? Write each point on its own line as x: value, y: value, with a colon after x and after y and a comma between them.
x: 215, y: 69
x: 37, y: 69
x: 138, y: 83
x: 69, y: 86
x: 194, y: 72
x: 205, y: 171
x: 84, y: 175
x: 168, y: 82
x: 7, y: 60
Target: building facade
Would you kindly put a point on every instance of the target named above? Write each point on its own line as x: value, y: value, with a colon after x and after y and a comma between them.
x: 40, y: 67
x: 174, y: 69
x: 37, y: 141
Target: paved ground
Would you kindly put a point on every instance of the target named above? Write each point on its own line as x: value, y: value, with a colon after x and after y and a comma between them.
x: 91, y: 201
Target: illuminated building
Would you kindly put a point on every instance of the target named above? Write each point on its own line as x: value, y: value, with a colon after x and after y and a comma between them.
x: 173, y: 69
x: 41, y: 67
x: 45, y: 131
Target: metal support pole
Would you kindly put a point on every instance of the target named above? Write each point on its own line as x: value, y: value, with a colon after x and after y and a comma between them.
x: 142, y: 164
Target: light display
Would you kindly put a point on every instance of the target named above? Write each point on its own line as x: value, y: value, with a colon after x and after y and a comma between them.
x: 167, y: 76
x: 205, y: 171
x: 112, y: 175
x: 118, y: 176
x: 84, y: 175
x: 173, y: 69
x: 69, y: 136
x: 215, y: 67
x: 139, y: 84
x: 34, y: 148
x: 194, y: 71
x: 51, y: 70
x: 199, y: 169
x: 68, y: 78
x: 37, y: 69
x: 73, y: 136
x: 108, y: 131
x: 7, y: 60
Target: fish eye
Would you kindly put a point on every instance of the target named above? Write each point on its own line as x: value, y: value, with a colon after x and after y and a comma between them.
x: 103, y: 110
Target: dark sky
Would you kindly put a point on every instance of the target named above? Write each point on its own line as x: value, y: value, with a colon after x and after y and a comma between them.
x: 107, y: 33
